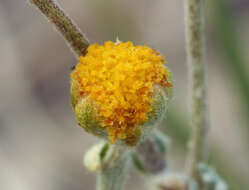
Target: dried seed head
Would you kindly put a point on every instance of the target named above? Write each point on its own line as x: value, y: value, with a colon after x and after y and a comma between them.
x: 173, y: 181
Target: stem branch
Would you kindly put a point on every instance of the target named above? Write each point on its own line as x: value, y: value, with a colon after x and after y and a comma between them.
x: 114, y: 170
x: 64, y: 25
x: 194, y: 23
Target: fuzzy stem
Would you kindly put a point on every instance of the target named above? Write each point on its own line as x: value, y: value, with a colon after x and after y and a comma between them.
x: 114, y: 170
x: 194, y: 23
x: 64, y: 25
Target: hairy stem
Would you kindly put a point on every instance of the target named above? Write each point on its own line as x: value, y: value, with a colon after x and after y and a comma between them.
x: 64, y: 25
x: 114, y: 169
x: 194, y: 23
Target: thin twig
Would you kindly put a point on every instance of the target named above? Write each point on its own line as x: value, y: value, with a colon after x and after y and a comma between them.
x: 194, y: 23
x: 64, y: 25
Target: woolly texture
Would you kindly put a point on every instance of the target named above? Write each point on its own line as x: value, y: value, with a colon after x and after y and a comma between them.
x: 119, y: 79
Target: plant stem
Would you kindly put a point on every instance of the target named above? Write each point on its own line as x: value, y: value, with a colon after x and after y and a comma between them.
x: 64, y: 25
x: 114, y: 169
x: 194, y: 23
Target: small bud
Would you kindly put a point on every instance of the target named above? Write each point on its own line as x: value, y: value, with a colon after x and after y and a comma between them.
x: 92, y: 158
x: 104, y: 156
x: 211, y: 179
x: 120, y: 91
x: 150, y: 155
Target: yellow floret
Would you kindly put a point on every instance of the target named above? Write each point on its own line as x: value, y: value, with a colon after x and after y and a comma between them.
x: 119, y: 78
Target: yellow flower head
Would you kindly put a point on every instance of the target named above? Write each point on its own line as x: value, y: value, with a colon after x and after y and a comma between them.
x: 113, y: 89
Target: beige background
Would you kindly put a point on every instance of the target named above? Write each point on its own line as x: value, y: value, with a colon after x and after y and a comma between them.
x: 41, y: 146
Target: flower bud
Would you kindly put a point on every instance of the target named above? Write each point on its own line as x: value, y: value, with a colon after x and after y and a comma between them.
x: 150, y: 155
x: 211, y: 180
x: 120, y: 91
x: 92, y: 158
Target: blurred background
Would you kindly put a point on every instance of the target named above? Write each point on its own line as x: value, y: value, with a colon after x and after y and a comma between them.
x: 41, y: 146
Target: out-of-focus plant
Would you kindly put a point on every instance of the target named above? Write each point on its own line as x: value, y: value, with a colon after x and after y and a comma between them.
x: 177, y: 127
x: 120, y: 92
x: 227, y: 38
